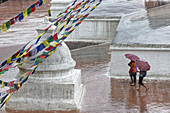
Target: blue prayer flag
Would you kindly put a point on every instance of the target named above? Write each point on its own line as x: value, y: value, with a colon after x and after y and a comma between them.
x: 21, y: 17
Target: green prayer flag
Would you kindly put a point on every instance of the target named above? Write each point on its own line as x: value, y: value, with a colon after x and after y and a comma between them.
x: 29, y: 11
x: 8, y: 24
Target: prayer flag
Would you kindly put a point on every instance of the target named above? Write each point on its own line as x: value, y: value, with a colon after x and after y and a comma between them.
x: 37, y: 4
x: 46, y: 43
x: 44, y: 1
x: 34, y: 52
x: 16, y: 19
x: 55, y: 37
x: 12, y: 21
x: 21, y: 17
x: 40, y: 47
x: 25, y: 13
x: 68, y: 28
x: 78, y: 23
x: 8, y: 25
x: 49, y: 48
x: 40, y: 2
x: 48, y: 27
x: 38, y: 40
x: 3, y: 28
x: 33, y: 8
x: 29, y: 11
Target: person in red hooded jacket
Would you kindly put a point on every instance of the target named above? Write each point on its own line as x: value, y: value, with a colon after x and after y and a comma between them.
x: 132, y: 72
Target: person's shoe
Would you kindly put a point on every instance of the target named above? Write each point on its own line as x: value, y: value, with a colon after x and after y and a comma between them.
x: 147, y: 89
x: 137, y: 89
x: 132, y: 84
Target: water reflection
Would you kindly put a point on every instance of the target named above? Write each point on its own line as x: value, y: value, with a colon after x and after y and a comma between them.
x: 24, y: 31
x: 130, y: 100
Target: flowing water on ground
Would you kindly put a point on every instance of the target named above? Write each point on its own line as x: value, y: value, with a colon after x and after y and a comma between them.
x: 103, y: 94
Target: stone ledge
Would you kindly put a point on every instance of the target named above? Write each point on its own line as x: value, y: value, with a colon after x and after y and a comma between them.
x: 137, y: 45
x: 150, y: 77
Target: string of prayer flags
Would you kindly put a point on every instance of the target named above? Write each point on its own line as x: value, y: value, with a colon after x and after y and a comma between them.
x: 38, y: 50
x: 4, y: 27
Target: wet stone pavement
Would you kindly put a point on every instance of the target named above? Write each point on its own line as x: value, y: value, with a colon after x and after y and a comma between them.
x: 102, y: 93
x: 109, y: 95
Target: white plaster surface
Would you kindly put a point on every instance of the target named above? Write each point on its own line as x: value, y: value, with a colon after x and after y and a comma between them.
x: 57, y: 6
x: 158, y: 58
x: 95, y: 29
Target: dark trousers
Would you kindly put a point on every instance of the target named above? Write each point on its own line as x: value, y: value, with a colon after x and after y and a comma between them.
x: 133, y: 77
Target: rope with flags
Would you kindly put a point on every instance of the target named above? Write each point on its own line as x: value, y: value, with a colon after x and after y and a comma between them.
x: 37, y: 50
x: 4, y: 27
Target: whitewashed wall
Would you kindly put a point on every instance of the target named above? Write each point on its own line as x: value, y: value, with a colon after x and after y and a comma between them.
x: 158, y: 58
x: 95, y: 29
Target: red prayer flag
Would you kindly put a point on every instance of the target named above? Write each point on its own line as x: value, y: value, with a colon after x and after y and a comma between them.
x: 27, y: 55
x: 32, y: 9
x: 11, y: 84
x: 55, y: 37
x: 12, y: 21
x: 77, y: 6
x: 17, y: 88
x: 49, y: 48
x: 42, y: 56
x: 9, y: 91
x: 57, y: 45
x: 72, y: 16
x: 20, y: 84
x: 16, y: 18
x: 86, y: 15
x: 29, y: 48
x: 48, y: 27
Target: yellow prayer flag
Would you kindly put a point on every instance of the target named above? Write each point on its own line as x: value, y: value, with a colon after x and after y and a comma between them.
x: 55, y: 50
x: 19, y: 85
x: 2, y: 84
x: 17, y: 55
x: 44, y: 1
x: 25, y: 13
x: 46, y: 43
x: 50, y: 54
x: 23, y: 74
x: 54, y: 45
x: 41, y: 34
x: 9, y: 97
x: 58, y: 28
x: 3, y: 28
x: 87, y: 7
x: 80, y: 16
x: 9, y: 60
